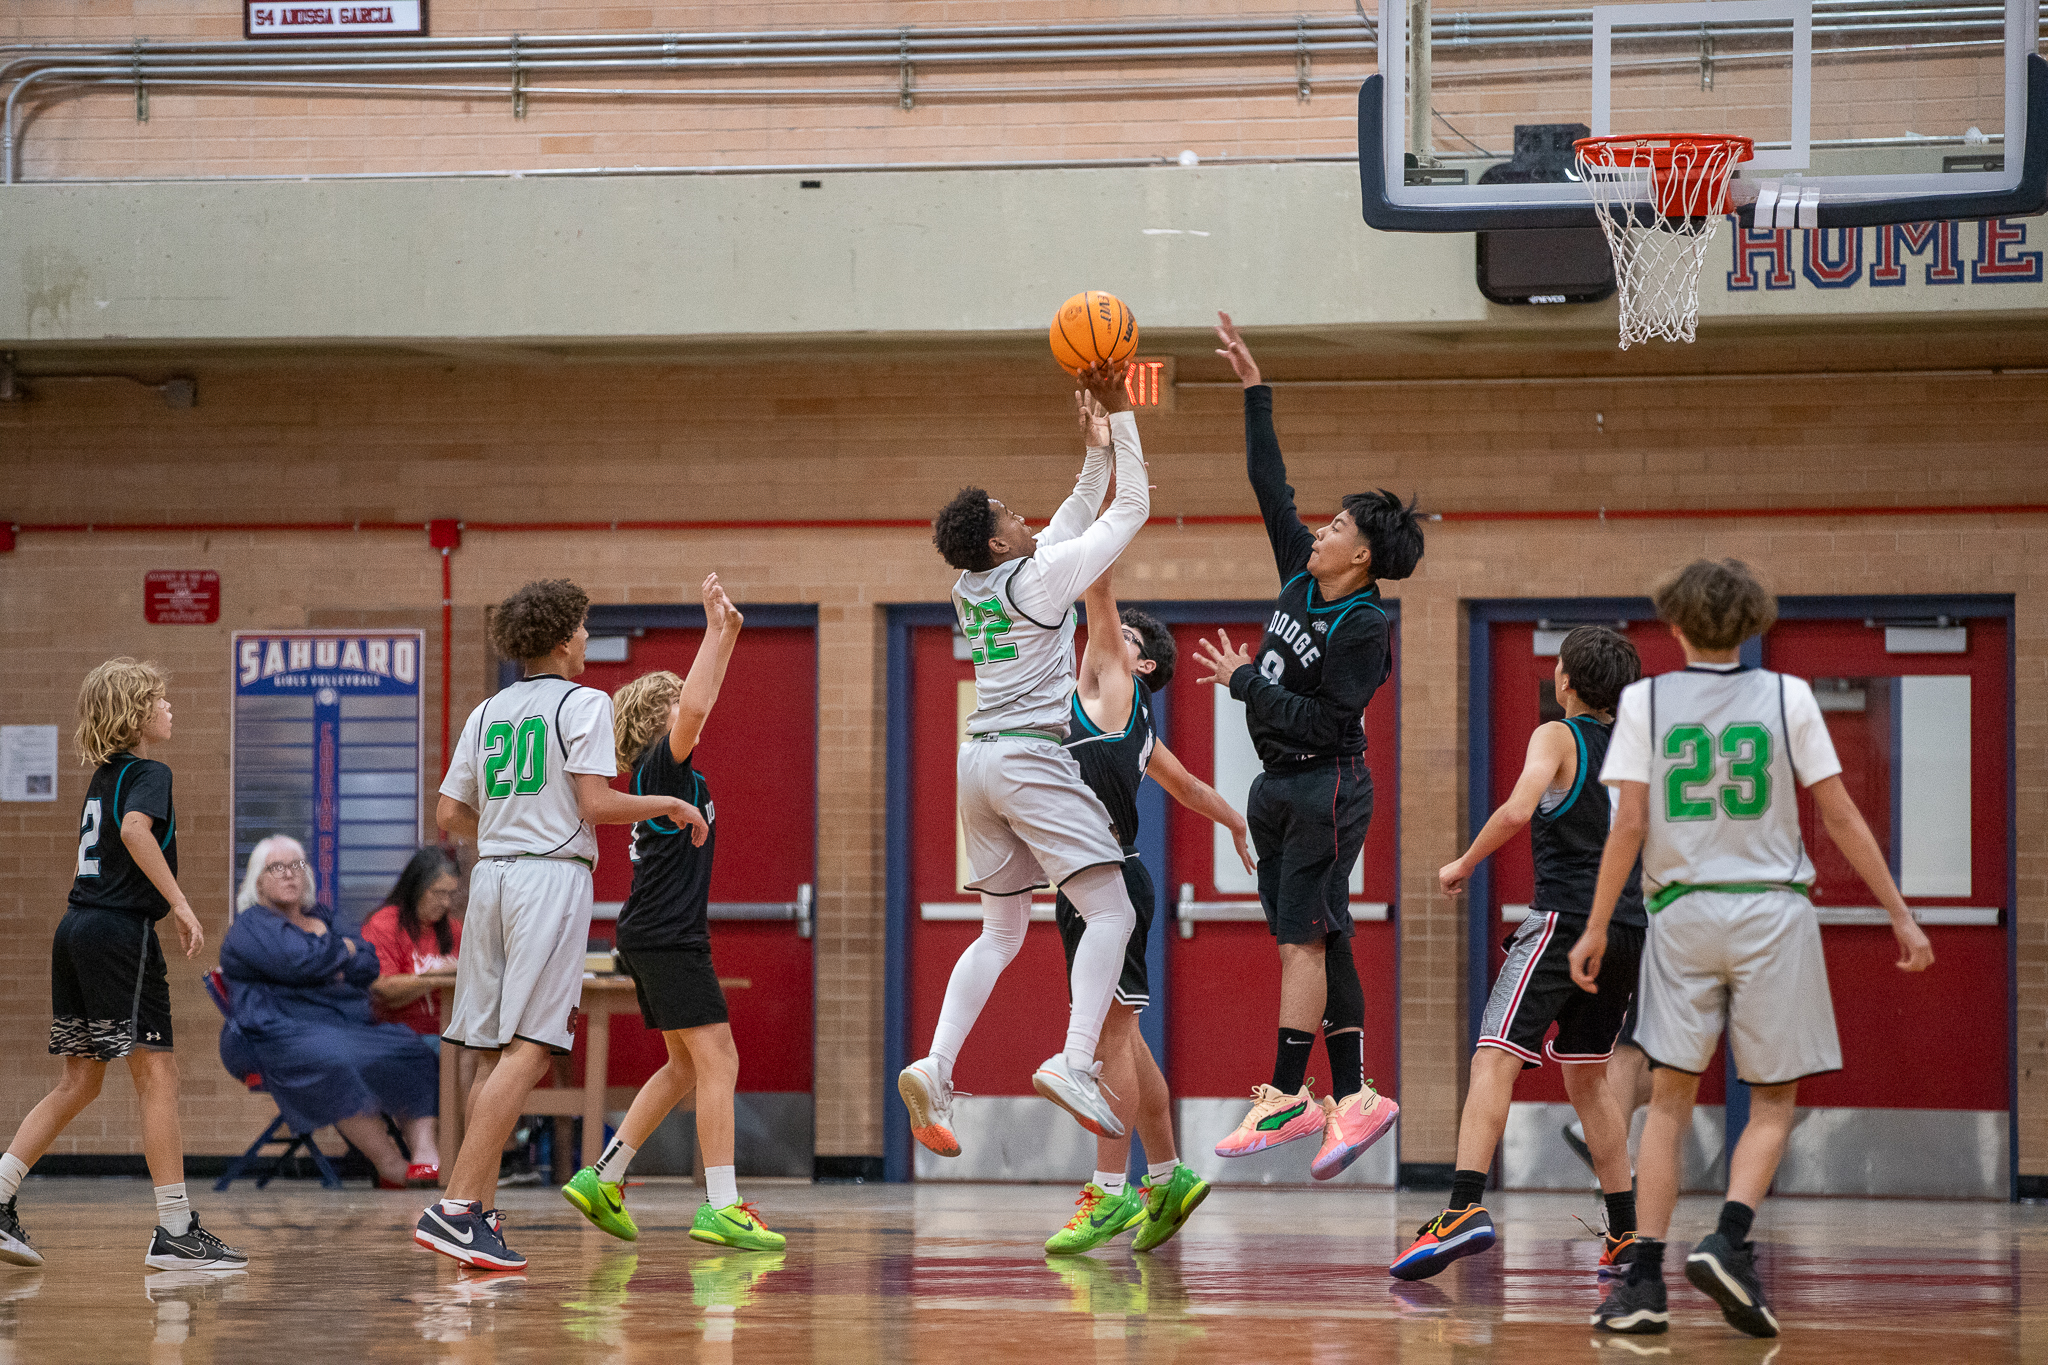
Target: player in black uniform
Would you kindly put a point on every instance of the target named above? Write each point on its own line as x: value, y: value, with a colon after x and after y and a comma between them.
x: 1112, y: 738
x: 664, y: 942
x: 109, y: 997
x: 1305, y: 691
x: 1560, y: 798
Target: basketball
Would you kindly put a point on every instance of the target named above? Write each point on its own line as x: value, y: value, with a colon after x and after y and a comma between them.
x: 1093, y: 326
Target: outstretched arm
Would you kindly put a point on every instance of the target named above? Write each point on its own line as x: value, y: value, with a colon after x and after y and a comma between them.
x: 1066, y: 569
x: 1550, y: 749
x: 1085, y: 501
x: 1263, y: 464
x: 722, y: 622
x: 599, y: 803
x: 1199, y: 797
x: 1105, y: 684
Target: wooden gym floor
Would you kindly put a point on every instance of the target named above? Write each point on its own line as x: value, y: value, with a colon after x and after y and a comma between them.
x: 955, y: 1273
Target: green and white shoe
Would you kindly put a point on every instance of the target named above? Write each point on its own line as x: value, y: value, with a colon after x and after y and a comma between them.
x: 736, y: 1225
x: 1168, y: 1203
x: 1098, y: 1216
x: 602, y: 1202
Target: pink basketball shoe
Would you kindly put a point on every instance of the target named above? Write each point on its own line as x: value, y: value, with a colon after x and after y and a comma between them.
x: 1275, y: 1118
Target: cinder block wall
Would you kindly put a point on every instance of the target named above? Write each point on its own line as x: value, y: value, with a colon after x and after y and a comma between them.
x: 890, y: 436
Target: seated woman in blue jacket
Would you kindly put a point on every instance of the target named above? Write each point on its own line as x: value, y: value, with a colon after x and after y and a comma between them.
x: 299, y: 991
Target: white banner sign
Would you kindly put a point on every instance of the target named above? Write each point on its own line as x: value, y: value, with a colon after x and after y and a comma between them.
x: 305, y: 19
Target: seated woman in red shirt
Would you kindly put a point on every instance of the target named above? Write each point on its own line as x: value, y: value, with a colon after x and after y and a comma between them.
x: 416, y: 943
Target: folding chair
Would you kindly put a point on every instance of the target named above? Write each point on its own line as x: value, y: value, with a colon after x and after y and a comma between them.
x: 279, y: 1132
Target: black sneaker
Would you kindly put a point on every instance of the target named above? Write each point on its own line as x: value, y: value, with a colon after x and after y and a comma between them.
x: 473, y: 1238
x: 1636, y: 1306
x: 197, y: 1249
x: 1726, y: 1273
x: 14, y: 1247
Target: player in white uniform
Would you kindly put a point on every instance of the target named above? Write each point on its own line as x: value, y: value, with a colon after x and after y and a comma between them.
x: 530, y: 776
x: 1704, y: 764
x: 1030, y: 819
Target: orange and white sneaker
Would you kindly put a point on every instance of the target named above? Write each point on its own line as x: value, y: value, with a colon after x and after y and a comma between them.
x: 1351, y: 1125
x: 930, y: 1102
x: 1616, y: 1252
x: 1275, y: 1118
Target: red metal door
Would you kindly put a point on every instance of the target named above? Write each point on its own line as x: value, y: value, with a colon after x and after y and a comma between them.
x: 758, y: 754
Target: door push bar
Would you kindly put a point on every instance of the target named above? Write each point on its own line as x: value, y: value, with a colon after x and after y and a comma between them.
x: 1189, y: 912
x: 798, y: 910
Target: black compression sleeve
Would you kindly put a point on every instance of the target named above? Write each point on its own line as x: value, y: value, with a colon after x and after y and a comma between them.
x: 1267, y: 471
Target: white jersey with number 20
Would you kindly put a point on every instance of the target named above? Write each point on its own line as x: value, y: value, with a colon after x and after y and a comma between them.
x: 513, y: 762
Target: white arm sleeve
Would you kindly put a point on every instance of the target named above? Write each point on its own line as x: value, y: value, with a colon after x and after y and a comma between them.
x: 1067, y: 568
x: 1813, y: 748
x: 460, y: 782
x: 1628, y: 748
x: 587, y: 728
x: 1083, y: 503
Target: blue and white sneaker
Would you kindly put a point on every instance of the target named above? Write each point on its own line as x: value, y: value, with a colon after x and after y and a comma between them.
x: 472, y: 1238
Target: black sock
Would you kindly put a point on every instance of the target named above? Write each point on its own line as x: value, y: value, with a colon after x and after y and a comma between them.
x: 1649, y: 1261
x: 1621, y: 1213
x: 1466, y: 1187
x: 1290, y: 1064
x: 1347, y: 1062
x: 1735, y: 1221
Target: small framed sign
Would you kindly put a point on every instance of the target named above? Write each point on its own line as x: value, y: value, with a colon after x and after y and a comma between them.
x: 326, y: 18
x: 181, y: 597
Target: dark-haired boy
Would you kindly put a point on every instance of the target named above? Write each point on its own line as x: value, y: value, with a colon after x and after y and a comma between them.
x: 1028, y: 818
x: 529, y: 777
x: 1305, y: 690
x: 1113, y: 739
x: 1560, y: 798
x: 1705, y: 764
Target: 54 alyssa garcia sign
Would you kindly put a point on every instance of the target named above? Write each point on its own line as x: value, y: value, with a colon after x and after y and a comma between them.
x: 316, y: 18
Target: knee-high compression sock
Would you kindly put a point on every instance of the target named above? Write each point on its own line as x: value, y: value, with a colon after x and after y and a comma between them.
x: 1098, y: 895
x: 1344, y: 1017
x: 1003, y: 921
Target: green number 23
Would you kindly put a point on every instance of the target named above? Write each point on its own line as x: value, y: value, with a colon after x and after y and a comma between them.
x: 985, y: 624
x: 524, y: 752
x: 1748, y: 793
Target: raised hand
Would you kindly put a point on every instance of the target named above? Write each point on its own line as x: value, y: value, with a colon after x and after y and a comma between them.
x: 1104, y: 381
x: 1235, y: 351
x: 719, y: 612
x: 1094, y: 421
x: 1221, y: 658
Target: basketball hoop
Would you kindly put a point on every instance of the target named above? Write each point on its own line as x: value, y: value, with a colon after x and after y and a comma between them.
x: 1660, y: 197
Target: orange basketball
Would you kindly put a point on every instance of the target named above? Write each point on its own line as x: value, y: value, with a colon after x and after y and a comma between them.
x: 1092, y: 326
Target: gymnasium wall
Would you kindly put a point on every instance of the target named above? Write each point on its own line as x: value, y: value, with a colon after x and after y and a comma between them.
x: 497, y: 434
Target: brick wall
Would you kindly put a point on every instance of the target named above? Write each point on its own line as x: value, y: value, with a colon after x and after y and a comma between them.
x: 891, y: 436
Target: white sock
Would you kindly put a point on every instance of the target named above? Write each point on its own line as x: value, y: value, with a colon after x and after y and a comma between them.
x: 1099, y: 896
x: 1159, y: 1168
x: 1111, y: 1183
x: 12, y: 1169
x: 1003, y: 922
x: 455, y: 1206
x: 611, y: 1167
x: 173, y: 1210
x: 721, y: 1186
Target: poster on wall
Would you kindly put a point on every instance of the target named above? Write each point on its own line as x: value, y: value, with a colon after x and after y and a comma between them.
x: 325, y: 747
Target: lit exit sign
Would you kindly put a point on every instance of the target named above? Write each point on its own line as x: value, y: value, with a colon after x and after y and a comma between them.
x: 1148, y: 383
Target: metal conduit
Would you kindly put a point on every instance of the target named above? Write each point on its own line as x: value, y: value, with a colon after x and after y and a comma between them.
x: 65, y: 68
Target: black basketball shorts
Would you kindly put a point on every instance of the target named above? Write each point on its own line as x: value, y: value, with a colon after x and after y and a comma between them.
x: 1308, y: 826
x: 109, y: 992
x: 1133, y: 987
x: 678, y: 987
x: 1535, y: 989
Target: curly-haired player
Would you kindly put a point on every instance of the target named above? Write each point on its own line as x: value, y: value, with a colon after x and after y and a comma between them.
x: 530, y: 776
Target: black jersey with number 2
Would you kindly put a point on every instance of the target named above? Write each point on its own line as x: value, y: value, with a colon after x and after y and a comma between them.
x: 670, y: 904
x: 108, y: 878
x: 1114, y: 764
x: 1569, y: 838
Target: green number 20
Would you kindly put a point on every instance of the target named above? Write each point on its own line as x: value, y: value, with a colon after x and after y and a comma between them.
x: 985, y: 623
x: 1745, y: 797
x: 525, y: 753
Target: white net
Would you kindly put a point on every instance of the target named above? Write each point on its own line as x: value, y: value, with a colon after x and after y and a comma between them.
x: 1660, y: 200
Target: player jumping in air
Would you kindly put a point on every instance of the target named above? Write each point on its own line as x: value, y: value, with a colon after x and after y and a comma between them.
x: 110, y: 996
x: 1560, y: 798
x: 1305, y: 691
x: 1706, y: 764
x: 529, y: 777
x: 1111, y: 736
x: 1029, y: 818
x: 665, y: 946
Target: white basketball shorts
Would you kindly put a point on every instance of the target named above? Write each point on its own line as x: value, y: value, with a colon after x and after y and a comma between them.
x: 520, y: 972
x: 1029, y: 817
